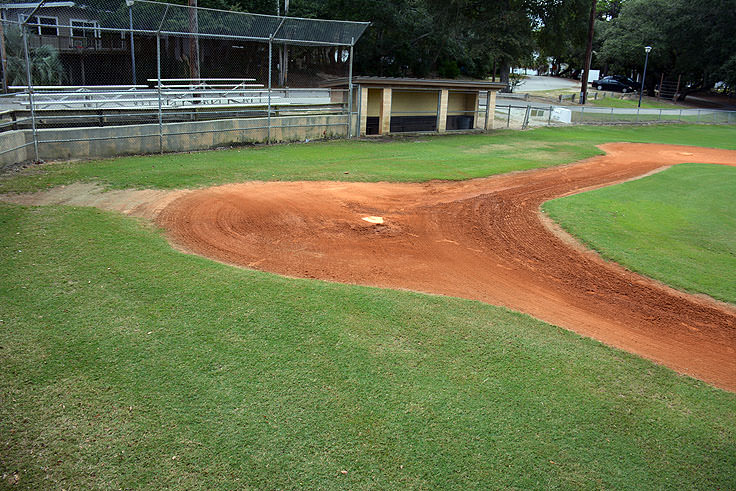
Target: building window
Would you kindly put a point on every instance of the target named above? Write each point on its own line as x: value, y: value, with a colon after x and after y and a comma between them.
x: 85, y: 28
x: 47, y: 26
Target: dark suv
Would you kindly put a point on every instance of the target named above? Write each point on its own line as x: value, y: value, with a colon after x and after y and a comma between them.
x: 615, y: 82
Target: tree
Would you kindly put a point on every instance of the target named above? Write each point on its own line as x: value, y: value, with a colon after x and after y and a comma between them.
x: 691, y: 39
x: 46, y: 67
x: 563, y: 32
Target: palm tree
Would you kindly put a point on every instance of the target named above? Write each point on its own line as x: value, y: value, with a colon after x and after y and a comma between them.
x: 46, y: 66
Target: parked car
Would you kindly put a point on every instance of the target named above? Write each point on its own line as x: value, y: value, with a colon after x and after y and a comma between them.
x: 616, y: 83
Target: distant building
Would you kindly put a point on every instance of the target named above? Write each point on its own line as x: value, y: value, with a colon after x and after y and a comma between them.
x: 74, y: 30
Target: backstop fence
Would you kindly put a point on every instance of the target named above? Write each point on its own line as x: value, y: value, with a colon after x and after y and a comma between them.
x: 81, y: 80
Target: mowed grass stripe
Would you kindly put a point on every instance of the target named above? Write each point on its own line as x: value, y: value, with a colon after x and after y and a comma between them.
x: 127, y: 364
x: 678, y: 226
x: 451, y: 157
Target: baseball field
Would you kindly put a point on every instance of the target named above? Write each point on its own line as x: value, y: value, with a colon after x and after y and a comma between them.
x: 543, y: 309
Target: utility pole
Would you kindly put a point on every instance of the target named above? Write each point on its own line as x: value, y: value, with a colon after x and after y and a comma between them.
x: 193, y: 41
x: 588, y: 54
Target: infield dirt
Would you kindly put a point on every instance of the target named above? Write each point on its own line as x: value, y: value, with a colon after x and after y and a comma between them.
x: 482, y: 239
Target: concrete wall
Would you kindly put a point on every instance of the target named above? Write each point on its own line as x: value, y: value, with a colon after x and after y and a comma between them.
x: 405, y: 103
x: 459, y: 103
x: 374, y: 102
x: 97, y: 142
x: 12, y: 139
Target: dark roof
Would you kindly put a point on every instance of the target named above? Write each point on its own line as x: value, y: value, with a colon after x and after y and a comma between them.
x: 416, y: 82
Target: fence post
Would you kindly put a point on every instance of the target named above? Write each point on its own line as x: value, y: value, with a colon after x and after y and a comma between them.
x: 549, y: 118
x: 488, y: 109
x: 158, y: 90
x: 611, y: 115
x: 637, y: 114
x: 30, y: 91
x: 582, y: 114
x: 526, y: 118
x: 680, y: 117
x: 132, y: 43
x: 508, y: 118
x: 698, y: 118
x: 350, y: 91
x: 268, y: 116
x: 660, y: 111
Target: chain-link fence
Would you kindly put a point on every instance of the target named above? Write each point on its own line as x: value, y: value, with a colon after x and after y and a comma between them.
x: 521, y: 116
x: 143, y: 77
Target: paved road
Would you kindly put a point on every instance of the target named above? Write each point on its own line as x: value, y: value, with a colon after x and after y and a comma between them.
x: 537, y: 82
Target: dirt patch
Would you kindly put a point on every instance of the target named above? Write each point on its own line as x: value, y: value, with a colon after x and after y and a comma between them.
x: 481, y: 239
x: 145, y: 203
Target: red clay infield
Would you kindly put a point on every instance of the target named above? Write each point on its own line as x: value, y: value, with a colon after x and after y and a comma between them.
x: 483, y: 239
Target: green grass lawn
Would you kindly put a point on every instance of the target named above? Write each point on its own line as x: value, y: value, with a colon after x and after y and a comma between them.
x: 646, y: 103
x: 127, y: 364
x: 409, y: 159
x: 678, y: 226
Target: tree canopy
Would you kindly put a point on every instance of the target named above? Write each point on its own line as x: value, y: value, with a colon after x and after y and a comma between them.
x: 471, y: 38
x: 694, y: 40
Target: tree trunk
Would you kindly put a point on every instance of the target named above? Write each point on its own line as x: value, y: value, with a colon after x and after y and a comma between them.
x: 504, y: 75
x: 193, y: 41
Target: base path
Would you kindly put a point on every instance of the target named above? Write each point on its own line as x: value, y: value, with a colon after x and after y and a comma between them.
x: 483, y: 239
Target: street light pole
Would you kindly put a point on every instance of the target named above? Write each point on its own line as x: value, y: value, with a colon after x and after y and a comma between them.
x: 132, y: 45
x: 644, y: 76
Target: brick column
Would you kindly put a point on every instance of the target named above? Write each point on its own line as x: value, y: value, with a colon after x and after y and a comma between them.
x: 442, y: 113
x: 491, y: 108
x: 363, y: 109
x: 386, y: 112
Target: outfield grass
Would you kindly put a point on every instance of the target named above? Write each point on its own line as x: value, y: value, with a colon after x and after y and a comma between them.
x: 678, y: 226
x: 127, y: 364
x: 411, y: 159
